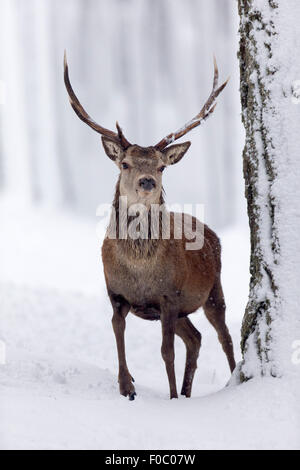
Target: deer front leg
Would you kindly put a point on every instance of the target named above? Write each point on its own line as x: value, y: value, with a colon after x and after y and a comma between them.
x: 120, y: 311
x: 168, y: 322
x: 192, y: 339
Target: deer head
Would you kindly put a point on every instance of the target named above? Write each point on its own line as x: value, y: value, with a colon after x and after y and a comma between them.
x: 141, y: 167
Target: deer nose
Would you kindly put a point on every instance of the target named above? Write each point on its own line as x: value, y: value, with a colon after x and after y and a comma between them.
x: 147, y: 184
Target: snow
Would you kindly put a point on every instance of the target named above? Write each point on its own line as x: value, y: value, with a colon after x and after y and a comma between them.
x: 59, y: 386
x: 286, y: 188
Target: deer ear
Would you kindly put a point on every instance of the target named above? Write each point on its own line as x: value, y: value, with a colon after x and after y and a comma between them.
x: 112, y: 149
x: 175, y: 153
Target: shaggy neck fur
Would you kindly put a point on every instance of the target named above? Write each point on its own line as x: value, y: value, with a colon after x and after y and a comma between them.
x: 139, y: 248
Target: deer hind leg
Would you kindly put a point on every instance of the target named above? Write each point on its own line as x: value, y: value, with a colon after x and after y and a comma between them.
x: 214, y: 309
x: 120, y: 311
x: 192, y: 339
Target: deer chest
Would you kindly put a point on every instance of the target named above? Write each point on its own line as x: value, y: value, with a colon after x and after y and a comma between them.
x: 139, y: 280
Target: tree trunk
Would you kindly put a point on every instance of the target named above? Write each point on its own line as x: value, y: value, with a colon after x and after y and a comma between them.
x: 268, y: 70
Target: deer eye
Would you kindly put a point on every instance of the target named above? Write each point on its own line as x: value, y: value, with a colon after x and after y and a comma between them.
x: 161, y: 169
x: 125, y: 166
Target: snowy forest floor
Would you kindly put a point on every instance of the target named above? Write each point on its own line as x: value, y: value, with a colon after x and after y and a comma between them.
x: 58, y: 388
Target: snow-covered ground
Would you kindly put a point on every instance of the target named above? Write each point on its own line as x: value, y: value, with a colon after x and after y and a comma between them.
x: 58, y: 387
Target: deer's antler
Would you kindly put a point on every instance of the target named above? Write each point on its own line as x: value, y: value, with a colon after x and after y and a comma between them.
x: 83, y: 115
x: 205, y: 112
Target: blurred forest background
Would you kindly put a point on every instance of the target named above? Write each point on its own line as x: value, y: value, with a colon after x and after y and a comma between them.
x: 147, y: 64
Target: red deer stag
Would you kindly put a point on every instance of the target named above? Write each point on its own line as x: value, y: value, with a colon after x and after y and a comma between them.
x: 157, y: 277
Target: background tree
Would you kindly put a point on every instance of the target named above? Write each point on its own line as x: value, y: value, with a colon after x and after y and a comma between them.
x: 269, y: 72
x: 147, y: 63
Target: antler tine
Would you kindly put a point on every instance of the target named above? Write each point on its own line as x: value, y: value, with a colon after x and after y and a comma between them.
x: 204, y: 113
x: 122, y: 138
x: 83, y: 115
x: 216, y: 74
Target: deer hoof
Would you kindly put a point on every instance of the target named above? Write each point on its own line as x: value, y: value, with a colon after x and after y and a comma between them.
x: 127, y: 388
x: 131, y: 396
x: 186, y: 393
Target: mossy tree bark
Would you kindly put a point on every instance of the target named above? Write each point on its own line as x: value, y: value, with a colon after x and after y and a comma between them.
x: 266, y: 98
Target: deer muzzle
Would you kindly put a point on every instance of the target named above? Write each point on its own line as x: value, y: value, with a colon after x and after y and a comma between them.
x: 147, y: 184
